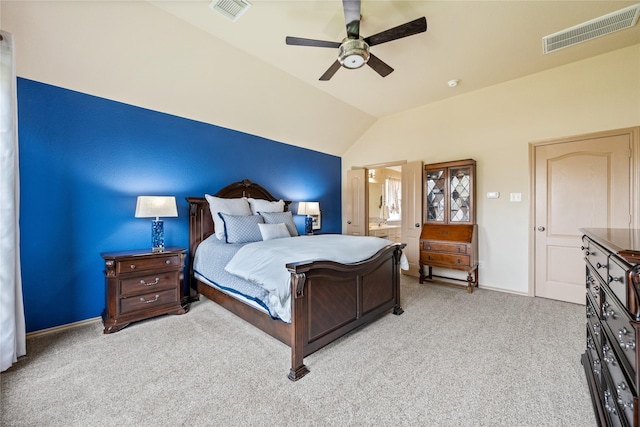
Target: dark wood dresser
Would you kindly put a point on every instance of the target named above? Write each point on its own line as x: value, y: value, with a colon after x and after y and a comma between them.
x: 612, y: 356
x: 142, y: 284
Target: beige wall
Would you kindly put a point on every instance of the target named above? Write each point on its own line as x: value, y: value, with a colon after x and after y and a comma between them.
x: 495, y: 126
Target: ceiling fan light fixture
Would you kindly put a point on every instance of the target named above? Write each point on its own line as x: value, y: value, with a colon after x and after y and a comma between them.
x: 353, y: 53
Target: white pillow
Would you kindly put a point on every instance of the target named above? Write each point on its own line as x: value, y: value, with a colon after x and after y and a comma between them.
x: 217, y: 205
x: 273, y: 231
x: 261, y: 205
x: 281, y: 217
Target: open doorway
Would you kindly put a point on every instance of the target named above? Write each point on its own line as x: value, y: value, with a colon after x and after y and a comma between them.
x: 366, y: 214
x: 385, y: 202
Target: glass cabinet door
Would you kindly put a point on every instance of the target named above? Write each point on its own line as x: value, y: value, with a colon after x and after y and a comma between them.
x: 449, y: 192
x: 435, y: 195
x: 460, y: 191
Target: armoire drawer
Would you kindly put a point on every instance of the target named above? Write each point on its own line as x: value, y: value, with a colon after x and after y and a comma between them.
x: 450, y: 260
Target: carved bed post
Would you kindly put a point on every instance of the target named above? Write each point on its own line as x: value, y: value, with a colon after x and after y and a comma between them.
x: 298, y: 369
x: 397, y: 254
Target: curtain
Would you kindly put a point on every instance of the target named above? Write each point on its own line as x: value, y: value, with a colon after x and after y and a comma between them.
x: 394, y: 193
x: 12, y: 324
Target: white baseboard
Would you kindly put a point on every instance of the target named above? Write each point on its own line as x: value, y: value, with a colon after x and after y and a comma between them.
x: 63, y: 327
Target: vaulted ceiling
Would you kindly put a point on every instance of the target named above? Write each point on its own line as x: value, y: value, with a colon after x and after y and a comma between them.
x: 479, y: 43
x: 183, y: 58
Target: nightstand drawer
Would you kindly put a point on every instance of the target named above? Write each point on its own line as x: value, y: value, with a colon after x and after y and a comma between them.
x: 445, y: 259
x: 149, y: 283
x: 444, y: 247
x: 147, y: 263
x: 149, y: 301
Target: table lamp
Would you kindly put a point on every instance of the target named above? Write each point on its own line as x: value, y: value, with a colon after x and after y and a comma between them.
x: 155, y: 207
x: 308, y: 209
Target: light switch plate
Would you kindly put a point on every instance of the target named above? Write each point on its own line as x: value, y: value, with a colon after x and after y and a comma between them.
x: 493, y: 195
x: 515, y: 197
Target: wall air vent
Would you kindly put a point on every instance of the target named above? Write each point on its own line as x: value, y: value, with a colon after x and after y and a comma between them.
x: 232, y: 9
x: 607, y: 24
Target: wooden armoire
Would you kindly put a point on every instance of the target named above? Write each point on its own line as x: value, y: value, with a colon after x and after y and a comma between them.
x: 449, y: 238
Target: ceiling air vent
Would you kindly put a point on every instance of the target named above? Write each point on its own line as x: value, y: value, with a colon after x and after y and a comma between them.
x: 232, y: 9
x: 607, y: 24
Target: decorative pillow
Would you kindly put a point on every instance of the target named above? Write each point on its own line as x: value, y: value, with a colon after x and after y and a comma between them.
x: 281, y: 217
x: 273, y: 231
x: 261, y: 205
x: 241, y: 228
x: 238, y: 206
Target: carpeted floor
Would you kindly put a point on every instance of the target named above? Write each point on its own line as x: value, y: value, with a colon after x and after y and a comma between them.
x: 452, y: 359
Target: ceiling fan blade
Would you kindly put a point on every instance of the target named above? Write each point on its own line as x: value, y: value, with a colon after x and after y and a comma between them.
x: 331, y: 71
x: 410, y: 28
x: 352, y: 17
x: 379, y: 66
x: 298, y: 41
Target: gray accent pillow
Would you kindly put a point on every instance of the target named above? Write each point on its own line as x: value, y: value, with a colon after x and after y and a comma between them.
x: 281, y: 217
x: 241, y: 228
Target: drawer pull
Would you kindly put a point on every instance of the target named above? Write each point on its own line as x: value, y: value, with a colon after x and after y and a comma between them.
x: 596, y: 367
x: 608, y: 406
x: 155, y: 282
x: 132, y: 266
x: 606, y: 356
x: 609, y: 313
x: 615, y: 279
x: 625, y: 405
x: 168, y: 262
x: 598, y: 265
x: 631, y: 345
x: 149, y: 301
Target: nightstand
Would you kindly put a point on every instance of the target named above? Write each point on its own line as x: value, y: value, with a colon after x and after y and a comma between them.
x: 141, y: 284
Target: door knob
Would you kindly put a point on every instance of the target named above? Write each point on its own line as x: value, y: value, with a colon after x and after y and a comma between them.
x: 417, y: 225
x: 540, y: 228
x: 348, y: 222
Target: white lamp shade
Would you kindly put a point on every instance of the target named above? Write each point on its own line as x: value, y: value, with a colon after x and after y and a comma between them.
x: 156, y: 206
x: 308, y: 208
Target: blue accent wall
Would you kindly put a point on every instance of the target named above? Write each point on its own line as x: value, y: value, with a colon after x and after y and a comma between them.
x: 83, y: 162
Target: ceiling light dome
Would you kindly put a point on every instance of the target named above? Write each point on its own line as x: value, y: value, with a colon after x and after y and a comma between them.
x: 353, y: 53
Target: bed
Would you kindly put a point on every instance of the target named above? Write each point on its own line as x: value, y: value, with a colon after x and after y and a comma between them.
x: 328, y: 298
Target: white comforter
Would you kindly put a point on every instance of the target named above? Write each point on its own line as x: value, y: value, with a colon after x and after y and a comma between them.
x: 264, y: 263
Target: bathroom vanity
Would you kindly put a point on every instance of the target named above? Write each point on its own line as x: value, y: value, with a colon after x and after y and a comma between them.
x: 385, y: 231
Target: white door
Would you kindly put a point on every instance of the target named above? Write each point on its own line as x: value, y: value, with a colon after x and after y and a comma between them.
x: 357, y: 215
x: 412, y: 214
x: 583, y: 182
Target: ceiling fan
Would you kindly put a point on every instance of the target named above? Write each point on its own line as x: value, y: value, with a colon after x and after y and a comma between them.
x: 353, y: 51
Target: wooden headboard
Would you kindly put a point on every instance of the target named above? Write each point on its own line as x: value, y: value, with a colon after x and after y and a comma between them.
x: 200, y: 220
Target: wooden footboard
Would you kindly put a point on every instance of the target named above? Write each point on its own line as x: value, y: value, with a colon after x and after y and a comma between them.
x: 331, y: 299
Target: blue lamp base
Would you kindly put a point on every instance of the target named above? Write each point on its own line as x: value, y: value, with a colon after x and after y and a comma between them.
x: 308, y: 225
x: 157, y: 235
